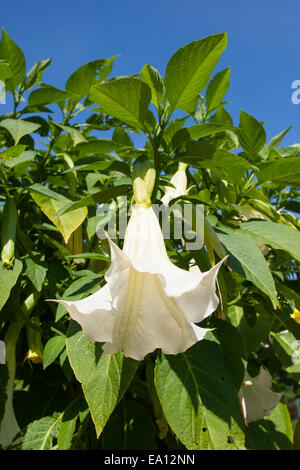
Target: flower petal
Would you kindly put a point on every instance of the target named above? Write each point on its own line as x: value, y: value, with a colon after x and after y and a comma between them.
x: 94, y: 314
x: 199, y: 303
x: 148, y: 319
x: 257, y: 397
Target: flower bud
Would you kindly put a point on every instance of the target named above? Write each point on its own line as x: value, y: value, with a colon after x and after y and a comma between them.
x: 143, y: 177
x: 8, y: 233
x: 35, y: 345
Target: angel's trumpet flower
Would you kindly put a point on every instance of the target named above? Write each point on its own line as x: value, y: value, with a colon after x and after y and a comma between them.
x: 148, y: 302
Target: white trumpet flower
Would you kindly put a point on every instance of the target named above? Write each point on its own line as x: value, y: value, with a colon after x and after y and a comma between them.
x: 257, y: 397
x: 148, y: 302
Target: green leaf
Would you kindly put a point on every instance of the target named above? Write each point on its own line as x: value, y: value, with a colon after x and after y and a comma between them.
x: 85, y: 76
x: 8, y: 278
x: 36, y: 272
x: 231, y: 166
x: 246, y: 259
x: 104, y: 377
x: 12, y: 152
x: 66, y: 223
x: 19, y: 128
x: 198, y: 398
x: 99, y: 197
x: 189, y: 69
x: 75, y: 134
x: 216, y: 89
x: 198, y: 131
x: 253, y: 335
x: 278, y: 236
x: 47, y: 95
x: 126, y: 99
x: 104, y: 165
x: 53, y: 348
x: 40, y: 433
x: 227, y: 165
x: 275, y: 141
x: 121, y: 137
x: 275, y: 432
x: 10, y: 52
x: 34, y: 76
x: 287, y: 348
x: 79, y: 289
x: 252, y: 135
x: 152, y: 77
x: 233, y: 350
x: 90, y: 256
x: 68, y: 423
x: 23, y: 161
x: 98, y: 147
x: 129, y: 428
x: 5, y: 70
x: 285, y: 171
x: 44, y: 190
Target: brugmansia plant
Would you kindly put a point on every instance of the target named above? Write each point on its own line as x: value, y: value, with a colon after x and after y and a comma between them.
x: 145, y: 341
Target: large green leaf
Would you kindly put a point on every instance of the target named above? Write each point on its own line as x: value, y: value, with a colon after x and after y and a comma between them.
x: 287, y: 348
x: 216, y: 89
x: 53, y: 348
x: 78, y: 289
x: 126, y: 99
x: 34, y: 76
x: 198, y: 398
x: 35, y: 271
x: 85, y: 76
x: 252, y: 335
x: 76, y: 136
x: 18, y: 128
x: 104, y: 377
x: 189, y: 69
x: 233, y: 350
x: 246, y: 259
x: 278, y: 236
x: 10, y: 52
x: 227, y: 165
x: 66, y: 223
x: 252, y: 135
x: 8, y: 278
x: 47, y: 95
x: 130, y: 428
x: 98, y: 197
x: 198, y: 131
x: 152, y: 77
x: 97, y: 164
x: 97, y: 146
x: 285, y: 171
x: 40, y: 433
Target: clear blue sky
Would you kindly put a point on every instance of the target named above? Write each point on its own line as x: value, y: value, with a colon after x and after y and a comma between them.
x: 263, y: 44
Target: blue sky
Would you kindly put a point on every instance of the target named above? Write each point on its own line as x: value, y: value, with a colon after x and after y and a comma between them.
x: 263, y: 44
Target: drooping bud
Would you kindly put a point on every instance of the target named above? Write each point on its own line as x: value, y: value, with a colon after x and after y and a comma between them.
x: 143, y: 177
x: 8, y: 233
x: 35, y: 345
